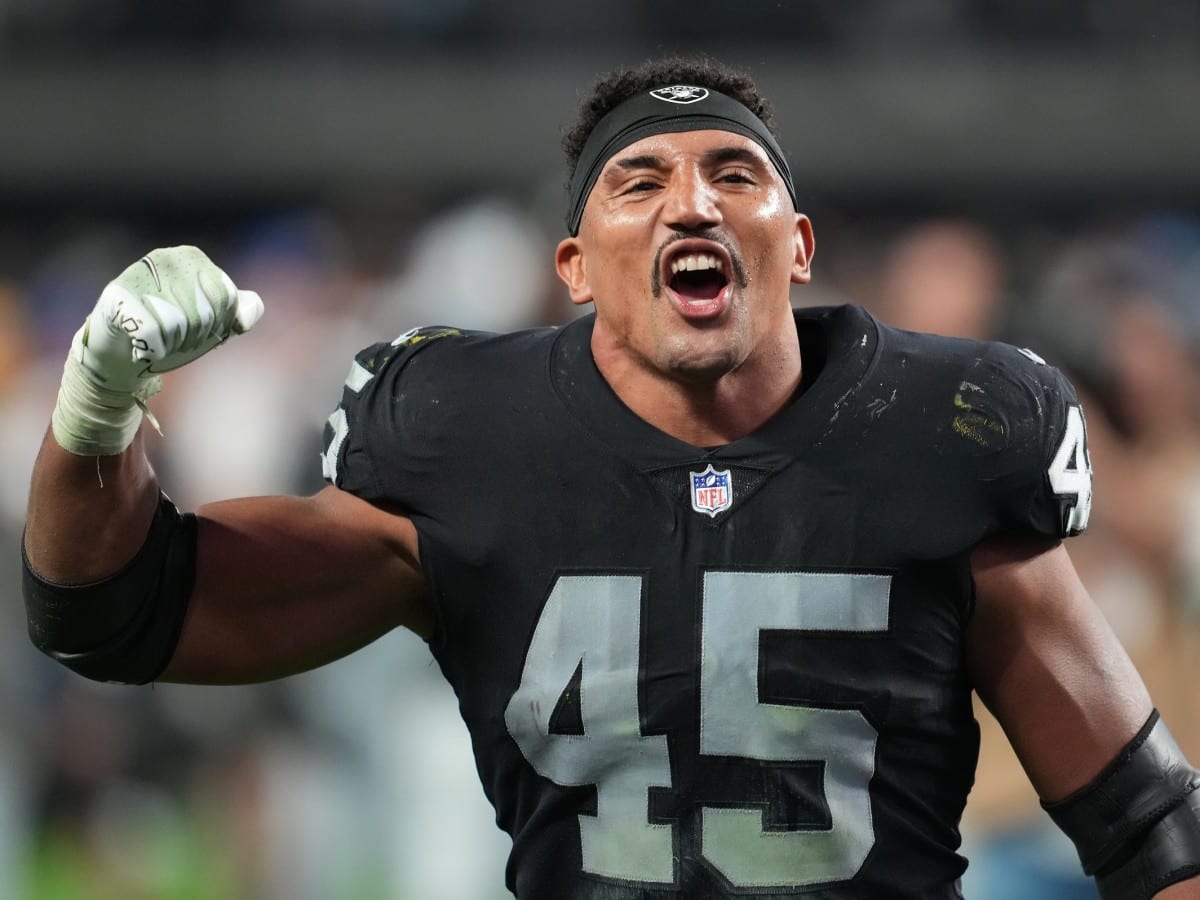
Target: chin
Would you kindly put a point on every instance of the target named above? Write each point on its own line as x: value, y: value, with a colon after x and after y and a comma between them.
x: 700, y: 355
x: 703, y: 368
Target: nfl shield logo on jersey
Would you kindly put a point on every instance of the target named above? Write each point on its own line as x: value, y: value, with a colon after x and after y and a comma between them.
x: 712, y: 491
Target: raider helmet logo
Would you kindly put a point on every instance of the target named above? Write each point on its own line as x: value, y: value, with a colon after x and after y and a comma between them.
x: 712, y: 491
x: 680, y: 93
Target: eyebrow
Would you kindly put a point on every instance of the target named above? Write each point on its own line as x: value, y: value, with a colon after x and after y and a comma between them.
x: 642, y: 161
x: 743, y: 155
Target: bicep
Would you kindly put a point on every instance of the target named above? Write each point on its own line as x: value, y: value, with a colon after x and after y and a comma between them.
x: 285, y: 584
x: 1048, y: 665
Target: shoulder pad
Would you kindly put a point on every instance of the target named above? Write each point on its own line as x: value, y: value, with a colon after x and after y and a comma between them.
x: 344, y: 461
x: 1047, y: 476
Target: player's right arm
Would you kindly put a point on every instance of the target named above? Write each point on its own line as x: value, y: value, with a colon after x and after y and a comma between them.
x: 121, y: 587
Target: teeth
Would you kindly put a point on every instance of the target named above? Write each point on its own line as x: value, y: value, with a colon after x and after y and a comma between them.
x: 696, y: 262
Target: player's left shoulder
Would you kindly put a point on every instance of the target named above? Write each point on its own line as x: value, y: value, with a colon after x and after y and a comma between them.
x: 1024, y: 368
x: 1015, y: 392
x: 996, y: 416
x: 994, y: 398
x: 1033, y: 400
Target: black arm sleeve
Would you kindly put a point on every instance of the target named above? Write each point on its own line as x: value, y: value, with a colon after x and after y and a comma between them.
x: 1137, y: 824
x: 123, y: 629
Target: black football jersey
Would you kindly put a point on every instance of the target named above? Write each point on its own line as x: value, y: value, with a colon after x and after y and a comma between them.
x: 714, y: 673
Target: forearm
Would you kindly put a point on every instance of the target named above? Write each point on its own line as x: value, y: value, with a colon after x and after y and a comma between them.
x: 1049, y: 667
x: 93, y: 492
x: 87, y: 515
x: 110, y: 563
x: 1108, y: 770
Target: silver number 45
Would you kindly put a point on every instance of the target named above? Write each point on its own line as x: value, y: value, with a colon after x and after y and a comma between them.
x: 591, y: 624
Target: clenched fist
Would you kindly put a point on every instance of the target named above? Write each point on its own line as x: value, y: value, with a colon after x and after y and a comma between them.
x: 168, y: 308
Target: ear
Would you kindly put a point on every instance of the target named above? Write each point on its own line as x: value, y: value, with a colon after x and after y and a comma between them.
x: 568, y: 262
x: 801, y: 271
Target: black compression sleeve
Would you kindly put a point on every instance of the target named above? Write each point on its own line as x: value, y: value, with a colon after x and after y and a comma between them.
x: 1169, y: 853
x: 123, y: 629
x: 1137, y: 824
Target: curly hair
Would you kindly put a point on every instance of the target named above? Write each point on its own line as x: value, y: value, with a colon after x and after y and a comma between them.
x: 613, y: 88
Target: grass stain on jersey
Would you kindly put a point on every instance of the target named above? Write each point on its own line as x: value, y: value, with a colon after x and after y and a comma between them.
x: 972, y: 423
x: 424, y: 333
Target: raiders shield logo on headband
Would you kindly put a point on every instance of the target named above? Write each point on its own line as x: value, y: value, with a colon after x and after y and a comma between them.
x: 680, y: 93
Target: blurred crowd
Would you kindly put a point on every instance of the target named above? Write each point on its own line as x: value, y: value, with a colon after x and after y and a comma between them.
x: 356, y: 781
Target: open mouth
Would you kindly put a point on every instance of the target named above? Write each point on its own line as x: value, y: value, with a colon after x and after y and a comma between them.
x: 697, y: 276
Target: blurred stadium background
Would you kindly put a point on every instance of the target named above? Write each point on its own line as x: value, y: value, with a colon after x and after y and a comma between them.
x: 1022, y: 171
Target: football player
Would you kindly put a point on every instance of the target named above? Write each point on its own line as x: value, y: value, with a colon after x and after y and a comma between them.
x: 713, y: 579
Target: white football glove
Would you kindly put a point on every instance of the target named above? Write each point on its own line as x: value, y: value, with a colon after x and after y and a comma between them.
x: 168, y: 308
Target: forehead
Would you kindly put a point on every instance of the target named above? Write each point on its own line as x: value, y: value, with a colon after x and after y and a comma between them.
x: 671, y: 148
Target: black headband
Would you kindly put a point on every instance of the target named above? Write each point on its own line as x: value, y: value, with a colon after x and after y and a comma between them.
x: 667, y: 109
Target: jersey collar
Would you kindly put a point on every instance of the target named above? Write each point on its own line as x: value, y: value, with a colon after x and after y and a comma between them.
x: 847, y: 335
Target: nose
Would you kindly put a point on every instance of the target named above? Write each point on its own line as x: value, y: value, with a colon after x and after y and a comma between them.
x: 691, y: 202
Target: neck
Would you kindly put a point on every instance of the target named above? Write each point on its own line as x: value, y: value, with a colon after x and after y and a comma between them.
x: 710, y: 412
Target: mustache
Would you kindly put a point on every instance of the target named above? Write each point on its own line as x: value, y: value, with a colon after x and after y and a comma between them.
x: 738, y: 275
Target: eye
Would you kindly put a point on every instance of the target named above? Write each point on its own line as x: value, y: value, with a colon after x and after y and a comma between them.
x: 736, y: 176
x: 641, y: 186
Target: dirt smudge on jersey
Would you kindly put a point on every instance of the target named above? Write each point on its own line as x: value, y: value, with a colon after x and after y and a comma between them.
x: 972, y: 422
